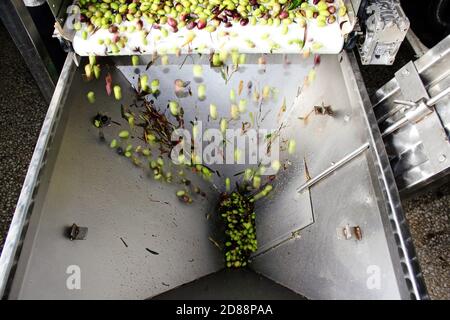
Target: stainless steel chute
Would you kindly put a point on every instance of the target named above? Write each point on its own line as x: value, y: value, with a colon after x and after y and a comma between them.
x: 304, y: 241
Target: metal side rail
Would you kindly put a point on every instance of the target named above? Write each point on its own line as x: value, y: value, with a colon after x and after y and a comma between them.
x: 413, y: 113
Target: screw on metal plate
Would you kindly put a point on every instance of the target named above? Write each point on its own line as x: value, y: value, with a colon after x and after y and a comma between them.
x: 358, y: 233
x: 348, y: 232
x: 77, y: 233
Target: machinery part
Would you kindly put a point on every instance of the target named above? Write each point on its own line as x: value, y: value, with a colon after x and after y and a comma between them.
x: 418, y: 148
x: 20, y: 221
x: 417, y: 112
x: 419, y: 48
x: 410, y: 83
x: 25, y: 35
x: 334, y: 167
x: 313, y: 261
x: 295, y: 38
x: 385, y: 30
x: 357, y: 15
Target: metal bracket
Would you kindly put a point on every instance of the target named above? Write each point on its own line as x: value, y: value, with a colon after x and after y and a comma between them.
x: 417, y: 100
x: 418, y: 109
x: 420, y: 106
x: 410, y: 83
x: 386, y: 29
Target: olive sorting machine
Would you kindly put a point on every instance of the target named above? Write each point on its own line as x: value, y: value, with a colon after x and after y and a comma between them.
x: 333, y: 229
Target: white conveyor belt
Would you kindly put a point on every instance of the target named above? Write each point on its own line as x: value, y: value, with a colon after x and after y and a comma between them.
x: 245, y: 39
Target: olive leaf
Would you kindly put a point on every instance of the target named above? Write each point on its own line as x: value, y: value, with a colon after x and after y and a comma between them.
x: 295, y: 4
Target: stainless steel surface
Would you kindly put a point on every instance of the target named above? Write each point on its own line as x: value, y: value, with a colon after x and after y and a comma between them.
x: 23, y: 31
x: 276, y: 67
x: 85, y: 182
x: 415, y: 111
x: 316, y: 262
x: 353, y: 7
x: 410, y: 83
x: 91, y: 185
x: 419, y: 48
x: 386, y: 29
x: 19, y: 224
x: 333, y: 167
x: 419, y: 152
x: 441, y: 95
x: 355, y: 3
x: 293, y: 211
x: 59, y: 9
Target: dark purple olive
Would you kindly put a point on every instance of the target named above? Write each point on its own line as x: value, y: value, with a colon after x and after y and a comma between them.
x: 215, y: 10
x: 174, y: 29
x: 244, y: 21
x: 191, y: 25
x: 228, y: 12
x: 113, y: 29
x: 172, y: 22
x: 139, y: 25
x: 315, y: 15
x: 228, y: 25
x: 156, y: 26
x: 184, y: 16
x: 332, y: 9
x: 315, y: 2
x: 283, y: 14
x: 316, y: 59
x: 201, y: 24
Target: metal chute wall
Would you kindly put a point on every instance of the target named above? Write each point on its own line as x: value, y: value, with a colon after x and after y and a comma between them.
x: 92, y: 186
x: 284, y: 74
x: 316, y: 259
